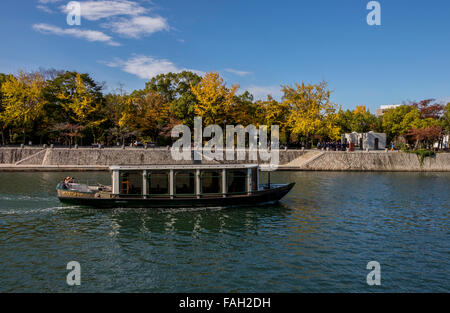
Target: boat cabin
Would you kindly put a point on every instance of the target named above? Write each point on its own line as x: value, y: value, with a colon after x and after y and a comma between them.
x: 186, y: 181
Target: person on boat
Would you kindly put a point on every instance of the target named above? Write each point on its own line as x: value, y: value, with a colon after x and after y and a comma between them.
x: 67, y: 181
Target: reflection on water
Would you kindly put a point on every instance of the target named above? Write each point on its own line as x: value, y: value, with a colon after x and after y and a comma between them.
x: 319, y: 238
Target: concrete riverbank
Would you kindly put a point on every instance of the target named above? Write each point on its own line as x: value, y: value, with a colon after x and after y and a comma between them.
x: 89, y: 159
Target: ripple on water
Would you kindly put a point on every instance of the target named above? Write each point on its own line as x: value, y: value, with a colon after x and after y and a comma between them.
x: 320, y: 238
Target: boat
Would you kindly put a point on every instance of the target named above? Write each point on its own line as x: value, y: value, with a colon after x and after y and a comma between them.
x: 176, y: 186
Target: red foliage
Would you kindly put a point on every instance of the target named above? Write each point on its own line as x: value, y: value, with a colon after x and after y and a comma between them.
x: 427, y: 135
x: 428, y: 109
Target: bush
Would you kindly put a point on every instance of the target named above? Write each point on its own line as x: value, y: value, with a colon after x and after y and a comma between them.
x: 422, y: 154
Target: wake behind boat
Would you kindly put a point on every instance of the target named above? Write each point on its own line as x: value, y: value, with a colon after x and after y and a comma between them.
x: 175, y: 186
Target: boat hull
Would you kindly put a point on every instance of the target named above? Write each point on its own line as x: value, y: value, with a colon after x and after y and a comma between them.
x: 255, y: 198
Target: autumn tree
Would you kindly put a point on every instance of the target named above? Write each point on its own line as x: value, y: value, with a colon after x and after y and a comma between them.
x: 76, y: 99
x: 22, y: 100
x: 398, y: 121
x: 116, y: 106
x: 428, y: 108
x: 146, y: 114
x: 215, y: 100
x: 2, y: 123
x: 276, y: 113
x: 245, y: 111
x: 425, y: 137
x: 175, y: 88
x: 446, y: 118
x: 312, y: 113
x: 363, y: 121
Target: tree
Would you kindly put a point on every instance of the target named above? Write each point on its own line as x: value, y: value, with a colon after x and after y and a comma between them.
x: 363, y: 121
x: 425, y: 137
x: 175, y: 88
x: 446, y: 118
x: 214, y: 99
x: 116, y: 106
x: 146, y: 114
x: 311, y: 112
x: 2, y: 122
x: 345, y: 121
x: 23, y: 100
x: 76, y: 99
x: 428, y: 109
x: 398, y: 121
x: 244, y: 111
x: 276, y: 113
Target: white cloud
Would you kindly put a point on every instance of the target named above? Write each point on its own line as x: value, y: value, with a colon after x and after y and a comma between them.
x: 147, y: 67
x: 138, y: 26
x: 44, y: 8
x: 261, y: 92
x: 237, y: 72
x: 96, y: 10
x: 90, y: 35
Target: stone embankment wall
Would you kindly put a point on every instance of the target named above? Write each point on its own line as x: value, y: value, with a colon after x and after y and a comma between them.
x: 60, y: 157
x: 310, y: 160
x: 377, y: 161
x: 14, y: 155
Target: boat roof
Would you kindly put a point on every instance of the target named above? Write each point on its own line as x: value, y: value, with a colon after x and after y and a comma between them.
x: 180, y: 167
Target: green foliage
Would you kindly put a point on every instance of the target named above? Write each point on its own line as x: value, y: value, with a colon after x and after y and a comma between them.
x: 446, y: 118
x: 70, y: 107
x: 360, y: 121
x: 422, y: 154
x: 175, y: 88
x: 399, y: 121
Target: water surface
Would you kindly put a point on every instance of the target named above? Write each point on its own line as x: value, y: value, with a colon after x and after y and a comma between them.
x: 317, y: 239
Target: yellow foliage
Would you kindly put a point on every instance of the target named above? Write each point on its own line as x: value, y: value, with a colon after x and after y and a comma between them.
x: 146, y: 114
x: 312, y: 113
x: 214, y: 99
x: 23, y: 101
x: 361, y: 109
x: 81, y: 103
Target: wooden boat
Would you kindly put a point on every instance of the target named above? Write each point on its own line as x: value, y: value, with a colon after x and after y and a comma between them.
x: 175, y: 186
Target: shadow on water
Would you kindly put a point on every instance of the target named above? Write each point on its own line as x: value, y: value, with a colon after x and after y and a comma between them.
x: 181, y: 220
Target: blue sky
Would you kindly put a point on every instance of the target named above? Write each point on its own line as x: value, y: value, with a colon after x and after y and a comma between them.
x: 257, y: 43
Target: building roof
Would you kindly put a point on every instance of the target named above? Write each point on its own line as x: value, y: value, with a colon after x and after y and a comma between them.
x: 181, y: 167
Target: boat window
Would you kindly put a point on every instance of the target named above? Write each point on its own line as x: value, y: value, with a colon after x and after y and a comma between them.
x: 185, y: 182
x: 255, y: 179
x: 237, y: 181
x: 158, y: 183
x: 131, y: 183
x: 211, y: 182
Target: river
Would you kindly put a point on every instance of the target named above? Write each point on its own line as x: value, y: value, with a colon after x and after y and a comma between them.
x: 319, y: 238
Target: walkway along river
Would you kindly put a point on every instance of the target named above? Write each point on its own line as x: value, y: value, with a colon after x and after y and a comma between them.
x: 39, y: 159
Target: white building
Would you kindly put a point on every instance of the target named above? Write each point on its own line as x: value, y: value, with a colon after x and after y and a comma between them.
x: 445, y: 143
x: 370, y: 140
